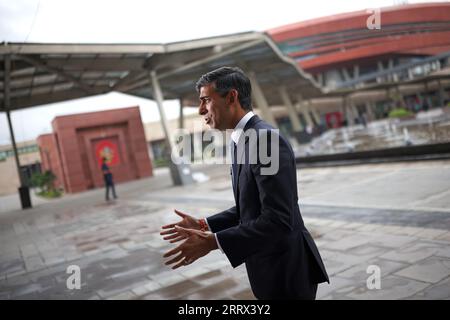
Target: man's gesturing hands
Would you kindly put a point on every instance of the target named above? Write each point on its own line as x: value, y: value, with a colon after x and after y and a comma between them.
x: 198, y: 243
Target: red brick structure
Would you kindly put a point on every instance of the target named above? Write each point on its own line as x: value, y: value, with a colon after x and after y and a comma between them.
x: 74, y: 151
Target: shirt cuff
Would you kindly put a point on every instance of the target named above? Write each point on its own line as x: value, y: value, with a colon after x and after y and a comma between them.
x: 215, y: 236
x: 218, y: 243
x: 206, y: 220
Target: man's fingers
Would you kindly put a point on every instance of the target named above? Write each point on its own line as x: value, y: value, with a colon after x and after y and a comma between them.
x: 172, y: 252
x: 188, y: 232
x: 181, y: 263
x: 184, y: 230
x: 168, y: 232
x: 178, y: 239
x: 169, y: 226
x: 181, y: 214
x: 178, y: 257
x: 173, y: 236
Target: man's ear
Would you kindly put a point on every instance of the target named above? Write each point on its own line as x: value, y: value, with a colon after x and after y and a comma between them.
x: 233, y: 95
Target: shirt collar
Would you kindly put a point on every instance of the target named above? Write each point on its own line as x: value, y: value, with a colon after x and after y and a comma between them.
x: 236, y: 134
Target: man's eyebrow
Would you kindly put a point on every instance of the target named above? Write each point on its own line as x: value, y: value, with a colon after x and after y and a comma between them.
x: 203, y: 97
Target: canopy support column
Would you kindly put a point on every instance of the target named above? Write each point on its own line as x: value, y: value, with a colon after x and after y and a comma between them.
x: 180, y: 173
x: 24, y: 191
x: 260, y: 100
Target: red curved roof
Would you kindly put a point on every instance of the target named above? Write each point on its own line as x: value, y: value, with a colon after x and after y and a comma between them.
x: 418, y: 29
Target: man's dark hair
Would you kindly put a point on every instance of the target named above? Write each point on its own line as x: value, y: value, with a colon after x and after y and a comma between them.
x: 226, y: 78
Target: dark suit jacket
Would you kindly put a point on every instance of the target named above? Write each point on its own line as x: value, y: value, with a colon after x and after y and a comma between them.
x: 265, y: 229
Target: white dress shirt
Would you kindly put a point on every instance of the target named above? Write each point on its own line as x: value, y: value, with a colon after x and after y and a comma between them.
x: 235, y: 135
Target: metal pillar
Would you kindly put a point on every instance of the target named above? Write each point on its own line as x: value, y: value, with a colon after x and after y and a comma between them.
x: 348, y: 111
x: 441, y: 94
x: 24, y: 191
x: 355, y: 111
x: 293, y: 116
x: 305, y: 112
x: 400, y: 98
x: 369, y: 111
x: 181, y: 173
x: 181, y: 117
x: 426, y: 97
x: 260, y: 100
x: 314, y: 112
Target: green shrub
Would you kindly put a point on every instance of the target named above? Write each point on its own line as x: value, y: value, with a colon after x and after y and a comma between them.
x: 53, y: 193
x: 400, y: 113
x: 158, y: 163
x: 45, y: 183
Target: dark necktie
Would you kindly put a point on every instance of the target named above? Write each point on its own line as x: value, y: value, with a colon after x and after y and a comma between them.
x: 234, y: 166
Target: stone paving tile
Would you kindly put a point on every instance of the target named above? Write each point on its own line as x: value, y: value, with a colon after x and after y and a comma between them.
x: 352, y: 225
x: 429, y: 270
x: 349, y: 242
x: 337, y: 224
x: 430, y: 233
x: 19, y: 271
x: 209, y: 278
x: 215, y: 291
x: 440, y: 291
x: 359, y: 273
x: 147, y: 287
x: 336, y: 283
x: 194, y: 271
x: 128, y: 295
x: 167, y: 278
x: 407, y: 231
x: 174, y: 291
x: 34, y: 263
x: 333, y: 234
x: 334, y: 267
x: 389, y: 240
x: 113, y: 288
x: 82, y: 294
x: 368, y: 227
x: 445, y: 236
x: 11, y: 266
x: 415, y: 252
x: 119, y: 251
x: 245, y: 294
x: 340, y: 261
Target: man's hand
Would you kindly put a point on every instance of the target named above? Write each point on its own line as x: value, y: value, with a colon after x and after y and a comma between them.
x: 197, y: 245
x: 187, y: 222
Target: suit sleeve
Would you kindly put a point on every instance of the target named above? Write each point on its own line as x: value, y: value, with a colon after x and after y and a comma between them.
x: 275, y: 219
x: 223, y: 220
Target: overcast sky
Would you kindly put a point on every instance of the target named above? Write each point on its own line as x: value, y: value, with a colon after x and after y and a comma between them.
x: 146, y: 21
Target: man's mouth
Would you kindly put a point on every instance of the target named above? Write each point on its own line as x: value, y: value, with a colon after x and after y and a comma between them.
x: 207, y: 120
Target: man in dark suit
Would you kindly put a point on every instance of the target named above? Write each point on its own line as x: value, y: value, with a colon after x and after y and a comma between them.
x: 265, y: 228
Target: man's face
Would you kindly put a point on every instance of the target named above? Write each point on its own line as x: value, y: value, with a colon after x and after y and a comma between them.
x: 214, y: 108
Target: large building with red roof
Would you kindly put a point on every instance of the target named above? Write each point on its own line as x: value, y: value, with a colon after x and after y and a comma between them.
x: 339, y: 48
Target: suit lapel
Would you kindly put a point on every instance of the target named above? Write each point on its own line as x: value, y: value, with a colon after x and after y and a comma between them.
x: 241, y: 157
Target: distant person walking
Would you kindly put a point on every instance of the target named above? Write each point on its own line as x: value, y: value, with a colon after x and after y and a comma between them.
x: 109, y: 183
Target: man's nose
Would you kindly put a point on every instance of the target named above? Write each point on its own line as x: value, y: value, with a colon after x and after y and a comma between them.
x: 201, y: 109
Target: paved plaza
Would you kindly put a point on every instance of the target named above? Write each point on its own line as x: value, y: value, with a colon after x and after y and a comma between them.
x: 392, y: 216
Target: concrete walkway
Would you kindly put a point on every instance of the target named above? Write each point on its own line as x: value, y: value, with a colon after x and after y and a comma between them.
x: 395, y: 217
